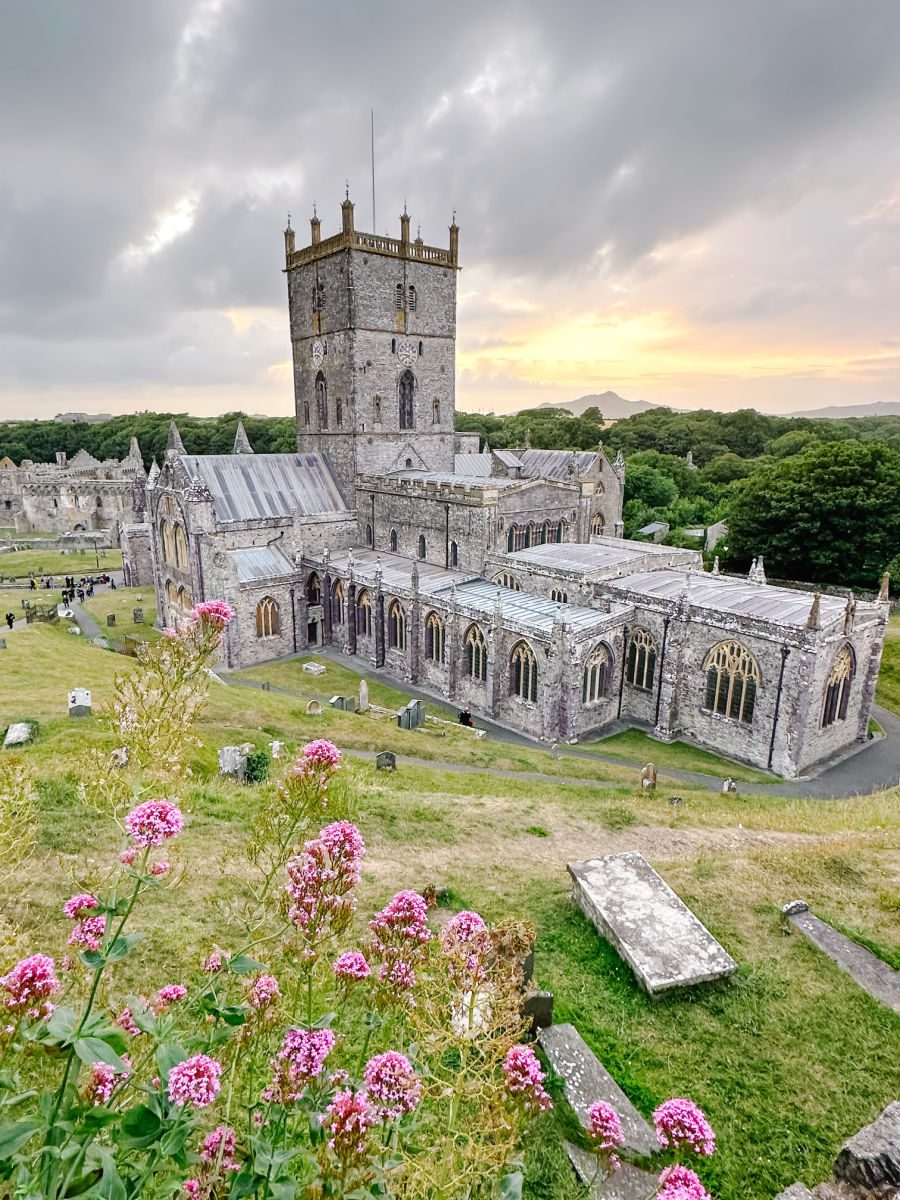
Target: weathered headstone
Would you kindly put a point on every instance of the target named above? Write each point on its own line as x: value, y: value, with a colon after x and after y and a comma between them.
x: 363, y: 696
x: 110, y: 619
x: 276, y: 749
x: 538, y: 1008
x: 138, y: 615
x: 233, y: 763
x: 648, y: 778
x: 79, y: 702
x: 344, y: 703
x: 872, y: 974
x: 74, y: 629
x: 655, y: 932
x: 17, y: 735
x: 871, y: 1158
x: 412, y: 715
x: 312, y: 668
x: 2, y: 643
x: 386, y: 760
x: 587, y: 1081
x: 313, y: 708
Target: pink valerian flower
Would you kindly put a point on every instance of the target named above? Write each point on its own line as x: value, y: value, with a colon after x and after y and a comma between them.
x: 680, y: 1122
x: 80, y: 905
x: 196, y: 1081
x: 466, y: 942
x: 320, y: 755
x: 399, y: 934
x: 88, y: 934
x: 103, y: 1080
x: 30, y: 984
x: 214, y: 613
x: 218, y: 1148
x: 191, y: 1187
x: 128, y: 856
x: 351, y: 966
x: 348, y: 1122
x: 172, y: 993
x: 321, y: 881
x: 301, y: 1058
x: 213, y: 962
x: 264, y: 991
x: 397, y: 979
x: 525, y: 1079
x: 681, y: 1183
x: 160, y: 868
x: 392, y: 1084
x: 152, y: 822
x: 605, y: 1132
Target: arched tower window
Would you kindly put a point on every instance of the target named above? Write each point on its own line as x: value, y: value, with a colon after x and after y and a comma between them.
x: 640, y: 665
x: 313, y: 589
x: 523, y: 672
x: 732, y: 681
x: 423, y: 545
x: 396, y: 626
x: 398, y: 297
x: 476, y: 653
x: 413, y: 298
x: 99, y: 501
x: 454, y: 554
x: 393, y: 541
x: 337, y: 603
x: 597, y: 524
x: 321, y: 401
x: 434, y: 638
x: 268, y: 618
x: 369, y: 535
x: 364, y: 614
x: 595, y: 681
x: 837, y: 689
x: 407, y: 392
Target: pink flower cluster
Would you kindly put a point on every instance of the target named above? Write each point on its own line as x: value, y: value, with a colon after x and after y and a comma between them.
x: 605, y: 1131
x: 172, y: 993
x: 348, y: 1120
x: 399, y: 933
x: 88, y: 931
x: 351, y: 967
x: 392, y: 1084
x: 681, y: 1183
x: 102, y: 1082
x: 218, y: 1148
x: 321, y: 881
x: 213, y: 962
x: 30, y: 984
x: 263, y: 993
x: 466, y: 942
x: 79, y: 905
x: 196, y: 1081
x: 150, y: 823
x: 320, y: 754
x: 214, y: 613
x: 301, y: 1058
x: 525, y: 1079
x: 680, y: 1122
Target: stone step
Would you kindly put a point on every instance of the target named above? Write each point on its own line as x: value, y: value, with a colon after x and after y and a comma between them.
x: 587, y: 1081
x: 627, y: 1183
x: 872, y: 974
x: 655, y: 932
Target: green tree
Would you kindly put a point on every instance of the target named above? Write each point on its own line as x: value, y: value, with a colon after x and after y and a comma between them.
x: 650, y: 487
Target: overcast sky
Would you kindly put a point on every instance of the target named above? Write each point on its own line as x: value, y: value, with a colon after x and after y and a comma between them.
x: 693, y: 202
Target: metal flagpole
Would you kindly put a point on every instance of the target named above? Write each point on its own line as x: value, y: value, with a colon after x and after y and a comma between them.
x: 374, y: 226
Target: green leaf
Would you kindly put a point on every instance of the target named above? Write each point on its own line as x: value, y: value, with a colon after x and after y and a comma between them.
x: 61, y: 1025
x: 243, y: 1184
x: 140, y: 1128
x: 123, y: 946
x: 14, y: 1136
x: 168, y: 1054
x: 110, y: 1186
x: 94, y: 1049
x: 92, y: 958
x: 511, y: 1186
x: 324, y: 1021
x: 242, y: 965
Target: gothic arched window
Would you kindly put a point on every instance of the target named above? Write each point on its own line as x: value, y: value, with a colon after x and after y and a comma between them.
x: 407, y: 392
x: 396, y: 626
x: 321, y: 401
x: 305, y: 412
x: 732, y: 681
x: 413, y: 298
x: 398, y: 297
x: 423, y: 545
x: 337, y: 603
x: 268, y: 618
x: 313, y: 589
x: 597, y: 524
x: 476, y: 653
x: 523, y: 672
x: 640, y: 664
x: 364, y: 614
x: 505, y: 579
x: 434, y: 638
x: 559, y: 596
x: 837, y: 689
x: 369, y: 535
x: 454, y: 554
x: 595, y: 681
x: 393, y: 542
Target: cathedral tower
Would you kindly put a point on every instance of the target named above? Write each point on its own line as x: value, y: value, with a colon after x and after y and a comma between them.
x: 373, y: 329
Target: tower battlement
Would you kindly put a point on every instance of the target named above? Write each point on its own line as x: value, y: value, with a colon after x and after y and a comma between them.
x: 350, y: 238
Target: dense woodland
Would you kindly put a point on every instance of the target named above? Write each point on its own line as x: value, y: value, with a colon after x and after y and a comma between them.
x: 820, y: 499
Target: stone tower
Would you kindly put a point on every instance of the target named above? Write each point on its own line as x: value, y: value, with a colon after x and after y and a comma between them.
x: 373, y: 329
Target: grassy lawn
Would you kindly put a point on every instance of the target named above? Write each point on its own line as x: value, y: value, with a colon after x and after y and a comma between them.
x: 123, y: 602
x: 789, y: 1058
x: 888, y: 692
x: 11, y: 598
x: 636, y: 746
x: 21, y: 563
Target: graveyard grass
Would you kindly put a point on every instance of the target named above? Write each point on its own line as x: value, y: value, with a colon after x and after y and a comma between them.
x: 634, y: 746
x: 788, y: 1058
x: 888, y: 692
x: 19, y: 564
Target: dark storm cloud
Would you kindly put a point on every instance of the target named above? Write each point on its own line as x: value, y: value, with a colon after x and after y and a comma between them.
x: 573, y: 138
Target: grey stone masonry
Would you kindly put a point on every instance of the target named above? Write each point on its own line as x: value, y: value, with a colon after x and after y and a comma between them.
x: 587, y: 1081
x: 871, y: 1158
x: 655, y: 932
x: 871, y: 973
x: 17, y: 734
x: 797, y: 1191
x: 627, y: 1183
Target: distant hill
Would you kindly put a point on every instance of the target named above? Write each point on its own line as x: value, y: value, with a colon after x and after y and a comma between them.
x: 881, y: 408
x: 613, y: 406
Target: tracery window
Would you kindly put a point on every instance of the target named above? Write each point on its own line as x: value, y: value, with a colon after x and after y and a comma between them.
x: 394, y: 541
x: 396, y: 626
x: 313, y: 589
x: 268, y: 618
x: 305, y: 412
x: 523, y: 672
x: 321, y: 401
x: 559, y: 596
x: 434, y: 638
x: 407, y: 390
x: 505, y: 579
x: 732, y: 681
x: 837, y: 688
x: 640, y: 665
x: 475, y: 653
x: 597, y: 524
x: 595, y: 681
x: 337, y: 603
x: 364, y: 614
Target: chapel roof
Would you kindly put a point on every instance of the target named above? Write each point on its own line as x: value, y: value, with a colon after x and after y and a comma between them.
x: 588, y: 558
x: 261, y: 562
x: 253, y: 487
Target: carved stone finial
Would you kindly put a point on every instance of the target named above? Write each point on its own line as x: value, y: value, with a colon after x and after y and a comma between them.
x: 715, y: 566
x: 619, y: 464
x: 751, y: 574
x: 850, y: 614
x: 153, y: 474
x: 241, y: 441
x: 174, y: 442
x: 414, y: 577
x: 884, y: 592
x: 812, y: 621
x: 760, y: 571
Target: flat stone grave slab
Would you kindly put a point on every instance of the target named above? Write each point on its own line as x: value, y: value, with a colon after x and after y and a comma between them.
x: 871, y: 1158
x: 871, y: 973
x: 655, y: 932
x: 587, y: 1081
x: 628, y: 1183
x: 18, y: 734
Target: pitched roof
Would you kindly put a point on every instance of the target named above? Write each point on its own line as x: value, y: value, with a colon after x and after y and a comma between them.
x: 555, y: 464
x: 255, y: 487
x: 472, y: 464
x: 261, y: 562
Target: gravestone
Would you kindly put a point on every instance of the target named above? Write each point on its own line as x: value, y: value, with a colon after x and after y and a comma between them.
x: 312, y: 668
x: 110, y: 619
x: 17, y: 735
x: 233, y: 763
x: 363, y: 696
x: 872, y: 974
x: 75, y: 630
x: 538, y: 1008
x: 648, y: 778
x: 276, y: 749
x: 2, y: 643
x: 655, y: 932
x: 313, y: 708
x: 386, y: 760
x: 412, y: 715
x: 344, y: 703
x: 627, y: 1183
x: 586, y: 1081
x: 79, y: 702
x: 138, y: 615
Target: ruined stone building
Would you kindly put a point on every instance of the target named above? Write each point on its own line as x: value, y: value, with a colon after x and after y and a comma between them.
x: 497, y: 581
